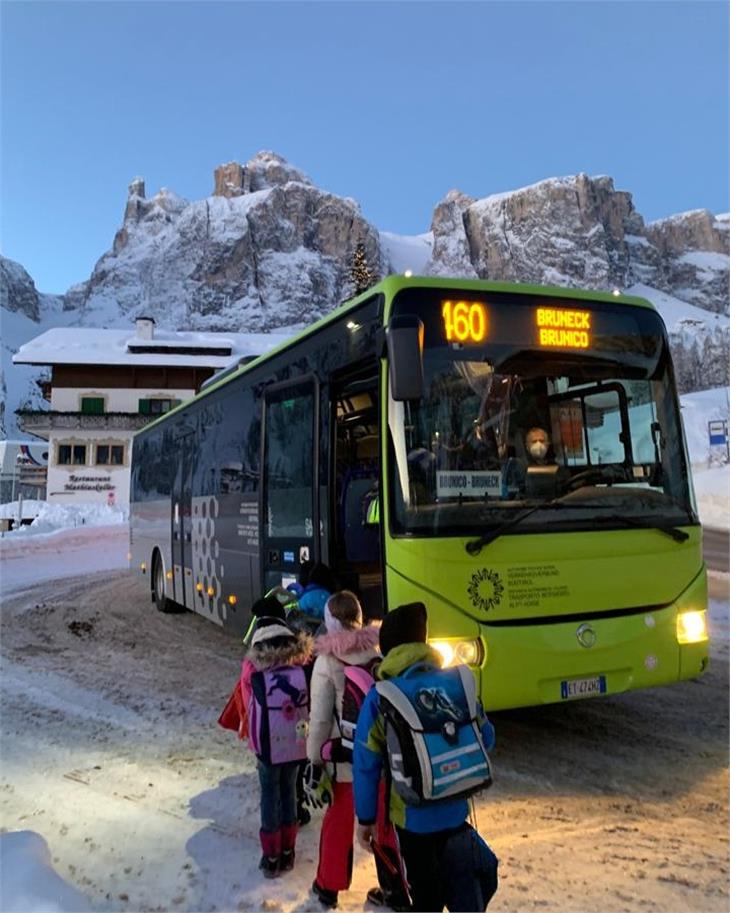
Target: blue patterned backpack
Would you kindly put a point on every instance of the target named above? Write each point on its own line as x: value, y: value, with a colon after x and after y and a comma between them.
x: 433, y: 735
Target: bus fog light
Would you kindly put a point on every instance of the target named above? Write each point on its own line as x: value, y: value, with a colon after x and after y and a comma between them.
x: 691, y: 627
x: 455, y: 652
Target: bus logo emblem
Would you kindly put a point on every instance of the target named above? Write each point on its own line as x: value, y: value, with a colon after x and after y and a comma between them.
x: 586, y: 636
x: 485, y: 590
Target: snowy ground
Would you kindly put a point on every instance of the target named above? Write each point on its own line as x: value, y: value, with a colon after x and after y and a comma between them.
x: 121, y: 793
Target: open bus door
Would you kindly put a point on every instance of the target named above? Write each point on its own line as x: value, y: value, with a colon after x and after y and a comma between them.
x: 357, y: 547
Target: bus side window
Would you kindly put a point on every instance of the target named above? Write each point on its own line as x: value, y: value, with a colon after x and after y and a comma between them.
x: 289, y: 466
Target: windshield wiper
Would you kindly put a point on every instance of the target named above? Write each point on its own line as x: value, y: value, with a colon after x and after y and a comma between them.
x: 679, y: 535
x: 475, y: 545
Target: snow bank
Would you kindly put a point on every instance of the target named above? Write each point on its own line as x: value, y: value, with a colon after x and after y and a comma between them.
x: 29, y: 883
x: 50, y: 518
x: 711, y: 478
x: 697, y: 410
x: 27, y: 559
x: 30, y: 508
x: 712, y: 487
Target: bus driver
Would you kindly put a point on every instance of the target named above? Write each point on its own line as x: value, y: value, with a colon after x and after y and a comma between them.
x: 537, y: 445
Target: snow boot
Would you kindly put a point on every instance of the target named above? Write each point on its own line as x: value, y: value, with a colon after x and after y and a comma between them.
x: 325, y: 897
x: 271, y: 859
x: 380, y: 898
x: 288, y: 842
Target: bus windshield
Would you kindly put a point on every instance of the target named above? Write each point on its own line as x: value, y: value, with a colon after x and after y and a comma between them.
x: 536, y: 402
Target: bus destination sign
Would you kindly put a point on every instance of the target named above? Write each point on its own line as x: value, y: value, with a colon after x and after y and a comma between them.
x: 564, y: 329
x: 466, y: 322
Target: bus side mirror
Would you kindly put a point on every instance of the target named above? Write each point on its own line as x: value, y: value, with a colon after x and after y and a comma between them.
x: 404, y: 338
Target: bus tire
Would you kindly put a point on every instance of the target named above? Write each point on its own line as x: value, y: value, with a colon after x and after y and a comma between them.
x: 159, y: 588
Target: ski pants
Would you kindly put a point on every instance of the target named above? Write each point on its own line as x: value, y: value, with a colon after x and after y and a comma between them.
x: 334, y: 872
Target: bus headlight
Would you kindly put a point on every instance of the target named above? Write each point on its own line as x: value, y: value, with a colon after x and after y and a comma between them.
x: 456, y: 652
x: 691, y: 627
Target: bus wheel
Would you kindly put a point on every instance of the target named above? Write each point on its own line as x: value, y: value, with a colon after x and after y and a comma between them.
x: 161, y: 601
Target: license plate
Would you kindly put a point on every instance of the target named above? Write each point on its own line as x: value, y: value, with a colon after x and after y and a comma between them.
x: 583, y: 687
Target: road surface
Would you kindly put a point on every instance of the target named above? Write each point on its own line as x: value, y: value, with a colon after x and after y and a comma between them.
x: 112, y: 754
x: 716, y: 548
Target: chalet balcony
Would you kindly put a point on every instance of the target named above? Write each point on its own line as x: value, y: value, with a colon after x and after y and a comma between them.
x: 41, y: 422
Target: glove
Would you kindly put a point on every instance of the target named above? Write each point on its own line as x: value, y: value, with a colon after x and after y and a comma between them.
x: 317, y: 786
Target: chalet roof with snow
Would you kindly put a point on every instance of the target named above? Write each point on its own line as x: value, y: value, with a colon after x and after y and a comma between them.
x: 166, y: 348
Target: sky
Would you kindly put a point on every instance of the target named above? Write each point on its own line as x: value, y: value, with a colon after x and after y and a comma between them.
x: 392, y: 103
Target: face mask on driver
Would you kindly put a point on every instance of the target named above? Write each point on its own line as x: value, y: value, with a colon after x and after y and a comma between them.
x: 538, y: 450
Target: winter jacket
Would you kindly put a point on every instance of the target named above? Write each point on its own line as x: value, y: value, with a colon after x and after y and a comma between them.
x: 369, y: 755
x: 313, y: 600
x: 294, y: 652
x: 335, y: 651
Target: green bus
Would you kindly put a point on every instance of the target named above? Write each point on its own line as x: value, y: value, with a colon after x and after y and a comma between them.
x: 510, y: 455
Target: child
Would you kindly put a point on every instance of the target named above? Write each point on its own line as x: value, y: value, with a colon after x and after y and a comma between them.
x: 345, y: 643
x: 319, y: 586
x: 276, y: 693
x: 447, y: 862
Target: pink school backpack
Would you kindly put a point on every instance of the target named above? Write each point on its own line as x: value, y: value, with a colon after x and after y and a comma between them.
x: 358, y: 681
x: 278, y: 712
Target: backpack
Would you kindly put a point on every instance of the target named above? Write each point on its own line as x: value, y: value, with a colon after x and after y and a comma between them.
x: 278, y: 712
x: 433, y: 737
x: 358, y: 681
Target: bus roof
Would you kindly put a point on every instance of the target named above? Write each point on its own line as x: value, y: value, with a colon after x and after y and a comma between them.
x: 389, y: 286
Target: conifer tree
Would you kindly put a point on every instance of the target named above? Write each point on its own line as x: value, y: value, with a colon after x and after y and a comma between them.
x: 360, y: 273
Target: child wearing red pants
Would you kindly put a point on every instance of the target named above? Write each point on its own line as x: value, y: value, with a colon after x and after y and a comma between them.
x: 345, y: 643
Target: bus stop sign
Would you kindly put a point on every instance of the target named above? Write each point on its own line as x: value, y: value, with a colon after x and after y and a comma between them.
x: 718, y: 433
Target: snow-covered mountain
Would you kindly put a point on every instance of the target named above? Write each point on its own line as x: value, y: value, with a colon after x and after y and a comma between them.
x: 268, y: 249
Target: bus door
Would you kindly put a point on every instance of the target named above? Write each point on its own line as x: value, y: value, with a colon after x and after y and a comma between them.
x: 290, y: 509
x: 357, y: 490
x: 183, y: 588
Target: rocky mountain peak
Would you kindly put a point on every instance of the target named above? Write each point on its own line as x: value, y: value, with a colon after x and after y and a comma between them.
x: 136, y: 187
x: 698, y: 229
x: 267, y: 249
x: 264, y: 171
x: 17, y: 290
x: 561, y: 231
x: 579, y: 230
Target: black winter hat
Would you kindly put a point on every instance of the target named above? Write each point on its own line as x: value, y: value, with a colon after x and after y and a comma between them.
x: 268, y: 607
x: 405, y: 625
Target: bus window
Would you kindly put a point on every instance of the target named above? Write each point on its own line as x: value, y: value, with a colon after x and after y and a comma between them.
x: 458, y: 460
x: 289, y: 465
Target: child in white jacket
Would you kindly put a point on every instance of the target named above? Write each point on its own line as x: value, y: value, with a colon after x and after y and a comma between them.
x: 346, y: 643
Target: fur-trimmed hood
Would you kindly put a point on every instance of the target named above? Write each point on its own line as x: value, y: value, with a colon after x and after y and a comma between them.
x: 296, y: 651
x: 342, y: 644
